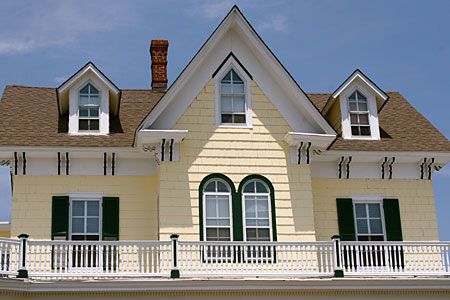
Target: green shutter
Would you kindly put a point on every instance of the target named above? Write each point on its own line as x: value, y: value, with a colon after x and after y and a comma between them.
x: 346, y: 219
x: 110, y: 217
x: 60, y: 217
x: 392, y: 220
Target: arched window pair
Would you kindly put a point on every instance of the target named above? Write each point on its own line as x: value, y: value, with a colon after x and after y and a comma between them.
x: 247, y: 214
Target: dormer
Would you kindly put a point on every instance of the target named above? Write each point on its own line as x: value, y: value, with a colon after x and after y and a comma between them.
x: 88, y: 98
x: 353, y: 108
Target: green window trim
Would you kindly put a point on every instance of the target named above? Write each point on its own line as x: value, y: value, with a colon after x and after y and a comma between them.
x: 346, y: 219
x: 272, y: 202
x: 60, y: 217
x: 236, y: 209
x: 392, y: 219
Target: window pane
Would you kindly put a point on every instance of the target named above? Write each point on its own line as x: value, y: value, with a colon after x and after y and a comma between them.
x: 249, y: 187
x: 236, y: 78
x: 84, y: 112
x: 260, y: 187
x: 93, y: 100
x: 223, y: 222
x: 93, y: 208
x: 364, y: 119
x: 375, y: 226
x: 238, y: 104
x: 251, y: 222
x: 93, y: 112
x: 227, y: 118
x: 263, y: 209
x: 360, y: 96
x: 212, y: 222
x: 84, y: 100
x: 362, y: 226
x: 374, y: 211
x: 239, y: 119
x: 352, y: 96
x: 224, y: 208
x: 211, y: 208
x: 250, y: 209
x: 263, y: 234
x: 377, y: 238
x: 85, y: 90
x: 238, y: 88
x: 355, y: 130
x: 211, y: 234
x: 78, y: 225
x: 262, y: 222
x: 354, y: 118
x: 226, y: 88
x: 221, y: 187
x: 365, y: 130
x: 92, y: 225
x: 94, y: 124
x: 83, y: 125
x: 362, y: 106
x: 211, y: 187
x: 360, y: 210
x: 227, y: 77
x: 251, y: 234
x: 352, y: 105
x: 77, y: 208
x: 224, y: 234
x: 93, y: 90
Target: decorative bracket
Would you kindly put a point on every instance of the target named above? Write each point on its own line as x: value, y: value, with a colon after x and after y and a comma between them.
x: 344, y: 167
x: 426, y: 168
x: 386, y: 167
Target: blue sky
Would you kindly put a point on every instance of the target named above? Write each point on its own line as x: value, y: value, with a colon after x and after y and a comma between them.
x: 401, y: 45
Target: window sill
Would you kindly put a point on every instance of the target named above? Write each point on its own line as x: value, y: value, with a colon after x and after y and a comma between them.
x: 88, y: 133
x: 361, y: 138
x: 234, y: 126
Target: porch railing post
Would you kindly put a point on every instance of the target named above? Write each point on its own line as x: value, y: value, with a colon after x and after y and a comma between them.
x: 22, y: 270
x: 175, y: 272
x: 337, y: 253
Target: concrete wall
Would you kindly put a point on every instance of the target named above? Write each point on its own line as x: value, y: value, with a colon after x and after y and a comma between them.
x: 416, y: 199
x: 32, y: 200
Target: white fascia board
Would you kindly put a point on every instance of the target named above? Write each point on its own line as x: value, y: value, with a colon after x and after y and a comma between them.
x: 317, y: 140
x: 151, y: 136
x: 236, y: 19
x: 5, y: 225
x: 11, y: 149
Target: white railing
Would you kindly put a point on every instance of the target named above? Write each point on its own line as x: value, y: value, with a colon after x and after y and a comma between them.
x: 255, y: 258
x: 9, y: 256
x: 98, y: 258
x: 175, y: 258
x: 396, y: 258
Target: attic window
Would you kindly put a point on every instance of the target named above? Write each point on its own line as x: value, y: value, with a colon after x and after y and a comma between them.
x: 89, y: 108
x: 232, y: 99
x: 359, y: 114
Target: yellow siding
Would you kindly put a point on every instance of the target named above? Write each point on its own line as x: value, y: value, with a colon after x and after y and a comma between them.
x: 32, y: 199
x: 236, y: 153
x: 334, y: 116
x: 417, y: 211
x: 6, y: 234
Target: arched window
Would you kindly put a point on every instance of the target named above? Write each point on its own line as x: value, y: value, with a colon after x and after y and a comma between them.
x: 359, y: 114
x: 232, y: 99
x: 89, y: 109
x: 217, y: 210
x: 257, y: 207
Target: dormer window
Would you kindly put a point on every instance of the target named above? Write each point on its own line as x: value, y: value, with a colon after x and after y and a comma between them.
x: 89, y: 109
x: 359, y: 114
x: 232, y: 99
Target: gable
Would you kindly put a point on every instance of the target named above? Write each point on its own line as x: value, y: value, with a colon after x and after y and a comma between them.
x: 235, y: 35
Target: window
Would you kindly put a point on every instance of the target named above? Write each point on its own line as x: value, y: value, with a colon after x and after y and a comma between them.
x: 232, y: 99
x: 85, y: 220
x: 217, y: 210
x: 369, y: 221
x: 359, y: 114
x: 89, y: 109
x: 257, y: 221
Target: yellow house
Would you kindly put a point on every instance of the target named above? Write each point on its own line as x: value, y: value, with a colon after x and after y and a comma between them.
x: 233, y: 182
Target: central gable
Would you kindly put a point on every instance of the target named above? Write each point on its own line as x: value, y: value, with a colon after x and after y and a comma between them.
x: 234, y: 36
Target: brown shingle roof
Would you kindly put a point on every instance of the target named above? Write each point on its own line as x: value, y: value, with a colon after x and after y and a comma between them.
x: 29, y: 117
x: 402, y: 128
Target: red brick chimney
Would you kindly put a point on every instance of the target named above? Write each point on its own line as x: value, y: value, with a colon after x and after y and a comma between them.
x: 158, y: 54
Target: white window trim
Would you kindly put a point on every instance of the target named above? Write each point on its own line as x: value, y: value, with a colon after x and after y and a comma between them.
x: 244, y: 219
x: 229, y: 203
x: 82, y: 196
x: 74, y: 105
x: 345, y: 112
x: 231, y: 63
x: 369, y: 200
